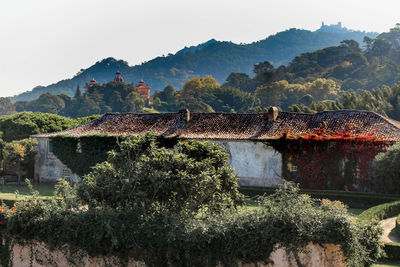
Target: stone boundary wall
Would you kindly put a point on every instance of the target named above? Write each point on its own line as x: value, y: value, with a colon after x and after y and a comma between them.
x: 329, y: 255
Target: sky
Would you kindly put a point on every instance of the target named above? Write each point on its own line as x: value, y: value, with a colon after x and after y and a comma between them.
x: 44, y: 41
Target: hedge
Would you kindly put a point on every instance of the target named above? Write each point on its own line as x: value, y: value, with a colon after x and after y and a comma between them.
x: 397, y: 227
x: 287, y: 218
x: 357, y: 200
x: 392, y: 251
x: 381, y: 212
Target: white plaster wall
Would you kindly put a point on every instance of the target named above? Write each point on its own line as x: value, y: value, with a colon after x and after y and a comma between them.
x: 256, y: 163
x: 48, y: 168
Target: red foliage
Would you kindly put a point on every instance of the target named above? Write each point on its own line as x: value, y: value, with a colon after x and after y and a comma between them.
x: 327, y: 159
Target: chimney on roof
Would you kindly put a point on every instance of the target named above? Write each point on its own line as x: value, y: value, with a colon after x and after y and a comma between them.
x: 272, y: 113
x: 184, y: 115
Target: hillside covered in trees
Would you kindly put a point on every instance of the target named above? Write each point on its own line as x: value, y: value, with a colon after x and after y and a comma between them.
x: 214, y: 58
x: 337, y: 77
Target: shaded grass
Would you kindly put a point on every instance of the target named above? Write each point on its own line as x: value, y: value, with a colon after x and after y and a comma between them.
x: 252, y: 204
x: 358, y: 200
x: 8, y: 192
x: 381, y: 212
x: 355, y: 212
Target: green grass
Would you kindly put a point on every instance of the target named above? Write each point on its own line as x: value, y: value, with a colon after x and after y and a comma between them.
x: 7, y: 192
x: 252, y: 204
x: 381, y: 212
x: 358, y: 200
x: 150, y: 110
x: 355, y: 212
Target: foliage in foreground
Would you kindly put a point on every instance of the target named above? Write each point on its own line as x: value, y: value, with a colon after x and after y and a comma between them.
x: 286, y: 218
x: 149, y: 177
x: 175, y: 207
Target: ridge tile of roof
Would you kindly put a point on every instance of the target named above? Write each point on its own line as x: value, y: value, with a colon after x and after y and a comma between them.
x: 234, y: 125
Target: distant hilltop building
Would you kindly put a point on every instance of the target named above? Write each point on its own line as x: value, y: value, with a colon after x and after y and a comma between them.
x: 118, y: 77
x: 88, y: 85
x: 142, y: 87
x: 332, y: 28
x: 144, y: 90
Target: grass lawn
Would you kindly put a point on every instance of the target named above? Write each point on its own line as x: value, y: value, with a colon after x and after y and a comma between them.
x: 7, y: 192
x: 252, y: 204
x: 355, y: 212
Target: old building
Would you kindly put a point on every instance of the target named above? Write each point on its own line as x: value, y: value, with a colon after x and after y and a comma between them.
x: 118, y: 77
x: 252, y: 140
x: 92, y: 83
x: 144, y: 90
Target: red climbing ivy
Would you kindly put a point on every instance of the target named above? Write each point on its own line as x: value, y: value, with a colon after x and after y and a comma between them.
x: 327, y: 159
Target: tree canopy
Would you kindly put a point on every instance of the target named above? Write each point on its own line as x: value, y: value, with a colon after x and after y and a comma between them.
x: 147, y: 176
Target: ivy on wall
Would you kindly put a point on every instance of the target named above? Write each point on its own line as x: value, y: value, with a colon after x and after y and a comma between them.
x: 82, y: 153
x: 326, y: 159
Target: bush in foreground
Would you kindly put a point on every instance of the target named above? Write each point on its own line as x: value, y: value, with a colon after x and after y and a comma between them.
x: 286, y: 218
x: 144, y: 175
x: 132, y: 214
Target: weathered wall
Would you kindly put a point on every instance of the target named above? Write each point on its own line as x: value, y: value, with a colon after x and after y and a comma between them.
x: 256, y: 163
x: 48, y: 168
x: 315, y: 256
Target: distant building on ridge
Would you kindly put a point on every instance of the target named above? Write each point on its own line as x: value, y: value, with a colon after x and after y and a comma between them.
x: 118, y: 77
x: 88, y: 85
x: 142, y: 87
x: 332, y: 28
x: 144, y: 90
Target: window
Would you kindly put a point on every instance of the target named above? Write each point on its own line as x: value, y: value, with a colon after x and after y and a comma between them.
x: 79, y: 147
x: 66, y: 173
x: 293, y: 168
x: 50, y: 146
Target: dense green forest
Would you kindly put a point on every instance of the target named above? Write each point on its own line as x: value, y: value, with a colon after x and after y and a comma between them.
x: 17, y: 149
x: 337, y: 77
x: 98, y: 99
x: 214, y: 58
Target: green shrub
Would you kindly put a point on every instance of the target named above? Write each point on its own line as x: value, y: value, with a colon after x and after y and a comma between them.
x: 392, y: 251
x: 381, y: 212
x: 164, y: 239
x: 19, y: 157
x: 23, y: 125
x: 387, y: 171
x: 191, y: 176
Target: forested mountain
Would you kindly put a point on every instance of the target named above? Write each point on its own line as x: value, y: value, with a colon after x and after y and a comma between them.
x: 336, y: 77
x: 214, y: 58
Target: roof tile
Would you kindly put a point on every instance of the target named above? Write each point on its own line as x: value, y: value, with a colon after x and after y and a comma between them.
x: 235, y: 126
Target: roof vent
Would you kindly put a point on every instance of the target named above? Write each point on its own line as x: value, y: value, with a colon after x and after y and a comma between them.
x: 184, y: 115
x: 273, y: 113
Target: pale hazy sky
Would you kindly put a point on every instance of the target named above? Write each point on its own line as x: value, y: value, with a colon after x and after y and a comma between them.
x: 44, y: 41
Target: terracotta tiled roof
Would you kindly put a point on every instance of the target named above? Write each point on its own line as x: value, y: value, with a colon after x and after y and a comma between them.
x: 234, y: 126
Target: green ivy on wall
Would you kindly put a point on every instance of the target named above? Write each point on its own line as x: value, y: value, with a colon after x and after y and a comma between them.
x: 81, y: 153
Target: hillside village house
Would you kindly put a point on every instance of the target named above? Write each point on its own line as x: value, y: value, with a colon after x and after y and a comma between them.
x: 253, y: 141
